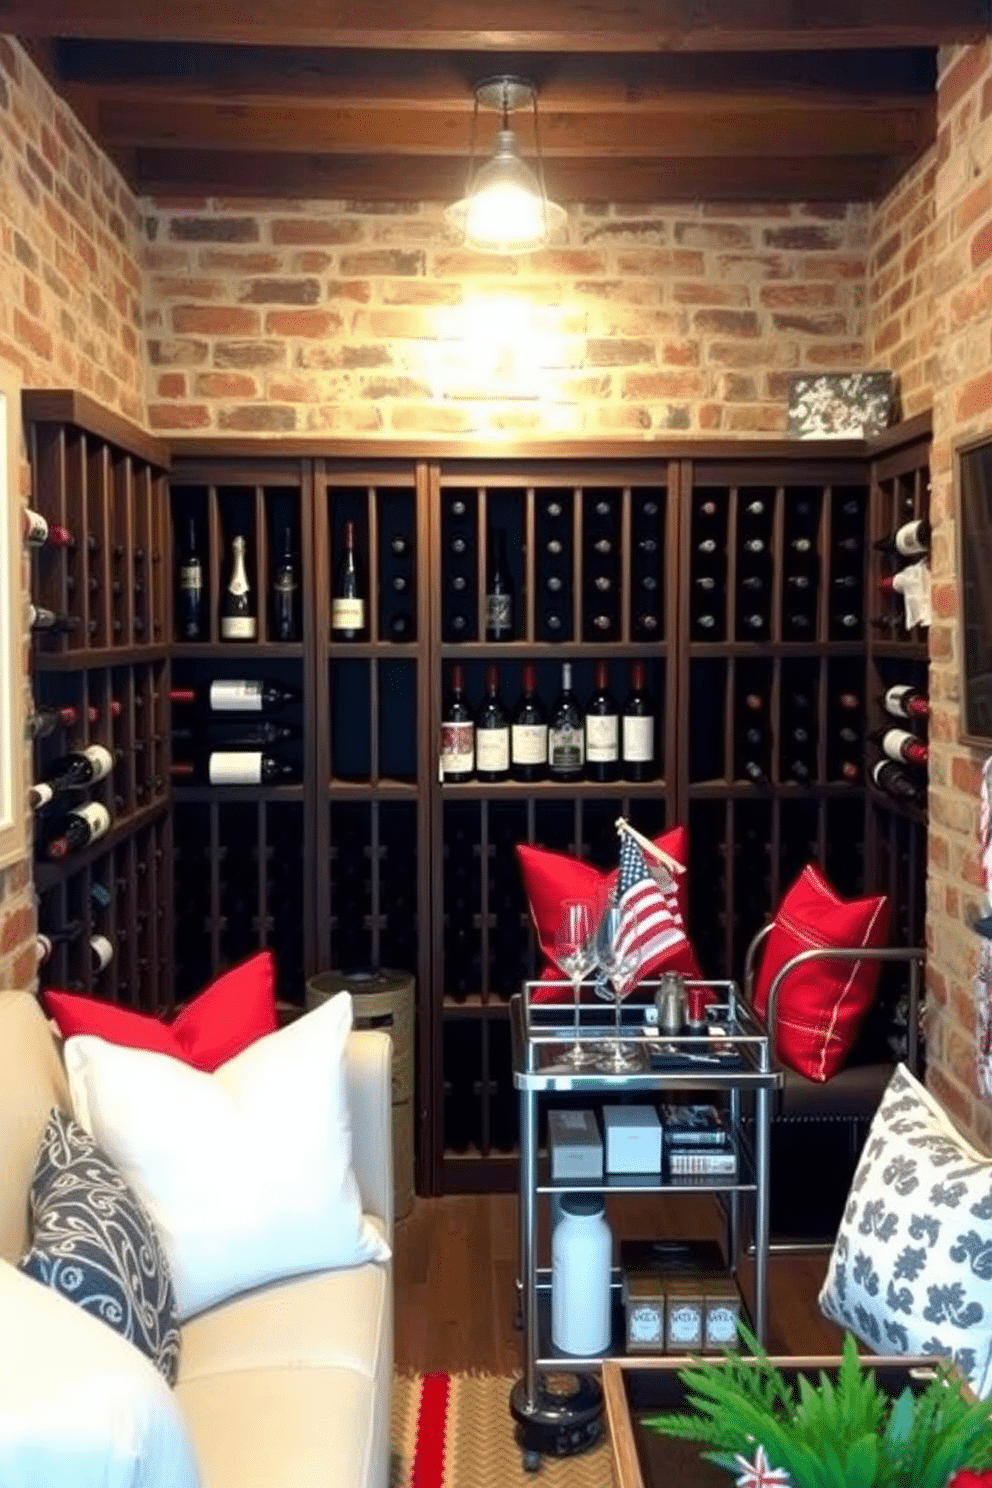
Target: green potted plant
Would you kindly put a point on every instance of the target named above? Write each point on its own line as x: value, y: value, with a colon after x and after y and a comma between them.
x: 844, y: 1432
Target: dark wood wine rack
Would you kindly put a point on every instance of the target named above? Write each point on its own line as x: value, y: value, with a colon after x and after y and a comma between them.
x: 369, y: 860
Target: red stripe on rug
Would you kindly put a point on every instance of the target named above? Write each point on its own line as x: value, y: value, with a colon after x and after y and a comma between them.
x: 432, y: 1417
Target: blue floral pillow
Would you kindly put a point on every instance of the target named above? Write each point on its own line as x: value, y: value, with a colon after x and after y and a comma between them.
x: 94, y: 1243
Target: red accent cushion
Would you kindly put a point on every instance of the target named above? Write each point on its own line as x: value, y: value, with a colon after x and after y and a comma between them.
x: 235, y: 1010
x: 552, y: 877
x: 821, y: 1005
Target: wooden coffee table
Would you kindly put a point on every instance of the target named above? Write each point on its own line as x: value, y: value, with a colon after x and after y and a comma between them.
x: 635, y: 1388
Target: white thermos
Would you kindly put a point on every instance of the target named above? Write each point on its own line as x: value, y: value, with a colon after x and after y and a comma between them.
x: 581, y: 1262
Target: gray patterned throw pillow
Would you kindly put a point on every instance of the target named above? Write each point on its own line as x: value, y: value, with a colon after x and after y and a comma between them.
x: 94, y: 1243
x: 911, y: 1267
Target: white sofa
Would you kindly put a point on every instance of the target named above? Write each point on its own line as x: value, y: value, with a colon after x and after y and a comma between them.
x: 287, y: 1386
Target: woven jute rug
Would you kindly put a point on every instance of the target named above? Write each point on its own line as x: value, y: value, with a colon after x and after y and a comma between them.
x: 456, y: 1431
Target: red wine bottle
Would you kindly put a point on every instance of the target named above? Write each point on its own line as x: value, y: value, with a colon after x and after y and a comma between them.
x: 284, y: 592
x: 904, y: 701
x: 236, y: 735
x: 347, y: 603
x: 499, y: 592
x: 637, y: 757
x: 898, y: 783
x: 899, y: 744
x: 908, y: 541
x: 529, y: 732
x: 234, y: 767
x: 492, y: 733
x: 37, y: 532
x: 80, y: 768
x: 77, y: 829
x: 189, y: 617
x: 566, y: 734
x: 45, y: 721
x: 602, y: 730
x: 255, y: 696
x: 457, y: 732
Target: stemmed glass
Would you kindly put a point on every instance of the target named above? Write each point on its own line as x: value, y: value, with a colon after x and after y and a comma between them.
x: 575, y: 956
x: 618, y: 954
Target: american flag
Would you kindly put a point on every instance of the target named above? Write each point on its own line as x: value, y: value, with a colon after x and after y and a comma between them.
x: 657, y: 929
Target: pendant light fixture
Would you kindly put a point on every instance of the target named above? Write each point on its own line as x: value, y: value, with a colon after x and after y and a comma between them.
x: 505, y: 208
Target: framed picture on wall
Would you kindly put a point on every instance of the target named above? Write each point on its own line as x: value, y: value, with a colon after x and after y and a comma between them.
x: 13, y: 806
x: 973, y: 483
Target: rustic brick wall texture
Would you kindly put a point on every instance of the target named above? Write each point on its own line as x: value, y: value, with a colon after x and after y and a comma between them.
x: 904, y: 239
x: 350, y: 320
x: 961, y: 234
x: 70, y: 316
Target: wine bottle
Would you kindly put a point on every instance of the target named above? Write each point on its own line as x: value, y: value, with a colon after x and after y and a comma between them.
x: 492, y: 733
x: 401, y: 626
x: 237, y: 623
x: 457, y: 733
x: 284, y: 592
x: 80, y: 768
x: 45, y: 721
x: 637, y: 760
x: 399, y: 544
x: 189, y: 616
x: 255, y: 696
x: 904, y: 701
x: 40, y: 618
x: 602, y: 730
x: 37, y: 532
x: 893, y: 583
x: 566, y: 735
x: 234, y: 767
x: 77, y: 829
x: 499, y: 592
x: 898, y: 783
x: 101, y: 952
x: 900, y: 744
x: 908, y: 541
x: 236, y: 735
x: 347, y: 604
x: 529, y: 732
x: 45, y: 942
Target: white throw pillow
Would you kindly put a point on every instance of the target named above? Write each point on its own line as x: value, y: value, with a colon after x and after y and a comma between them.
x: 911, y: 1268
x: 80, y: 1406
x: 246, y: 1172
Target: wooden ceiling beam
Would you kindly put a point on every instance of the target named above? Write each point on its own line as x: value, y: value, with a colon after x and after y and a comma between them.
x: 699, y: 126
x: 192, y: 174
x: 410, y: 80
x: 553, y: 25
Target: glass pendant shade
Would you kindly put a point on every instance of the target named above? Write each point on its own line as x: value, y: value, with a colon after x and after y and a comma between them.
x: 505, y: 208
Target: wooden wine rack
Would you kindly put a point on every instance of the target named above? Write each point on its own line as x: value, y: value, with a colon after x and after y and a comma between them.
x: 370, y: 860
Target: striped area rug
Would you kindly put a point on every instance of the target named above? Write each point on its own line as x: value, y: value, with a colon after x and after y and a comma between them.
x: 456, y: 1431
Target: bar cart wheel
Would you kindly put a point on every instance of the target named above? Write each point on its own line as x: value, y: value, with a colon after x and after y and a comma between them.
x: 562, y: 1422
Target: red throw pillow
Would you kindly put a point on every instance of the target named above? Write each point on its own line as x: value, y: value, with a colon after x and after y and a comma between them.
x: 235, y: 1010
x: 821, y: 1004
x: 552, y: 877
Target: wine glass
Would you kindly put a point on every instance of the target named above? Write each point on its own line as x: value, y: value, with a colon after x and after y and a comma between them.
x: 618, y: 954
x: 575, y: 956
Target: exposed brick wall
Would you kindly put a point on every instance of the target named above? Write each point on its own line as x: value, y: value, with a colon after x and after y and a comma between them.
x: 348, y: 320
x: 70, y: 315
x: 904, y: 240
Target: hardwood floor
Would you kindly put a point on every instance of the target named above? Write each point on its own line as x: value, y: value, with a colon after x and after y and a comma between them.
x: 456, y: 1267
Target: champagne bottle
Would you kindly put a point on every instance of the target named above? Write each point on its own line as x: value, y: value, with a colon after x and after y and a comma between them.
x: 189, y: 617
x: 898, y: 783
x: 566, y: 735
x: 900, y: 744
x: 284, y: 592
x: 602, y: 730
x: 499, y: 593
x: 254, y: 696
x: 492, y: 733
x: 637, y: 761
x: 529, y: 732
x: 908, y: 541
x: 78, y: 829
x: 37, y: 532
x: 347, y: 604
x: 904, y: 701
x: 234, y: 767
x: 237, y: 623
x: 457, y: 733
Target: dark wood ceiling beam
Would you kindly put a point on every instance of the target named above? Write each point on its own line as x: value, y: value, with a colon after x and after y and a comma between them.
x: 302, y: 74
x: 700, y: 126
x: 191, y: 173
x: 552, y: 25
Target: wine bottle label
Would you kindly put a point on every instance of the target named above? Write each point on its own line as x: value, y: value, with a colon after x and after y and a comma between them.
x: 896, y: 742
x: 96, y: 816
x: 101, y: 952
x: 457, y: 748
x: 35, y: 529
x: 638, y: 740
x: 101, y: 761
x: 235, y: 767
x: 236, y: 697
x: 348, y: 614
x: 238, y: 627
x: 566, y: 748
x: 602, y: 739
x: 41, y: 794
x: 529, y: 743
x: 907, y: 540
x: 492, y: 749
x: 285, y: 583
x: 499, y: 614
x: 191, y: 578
